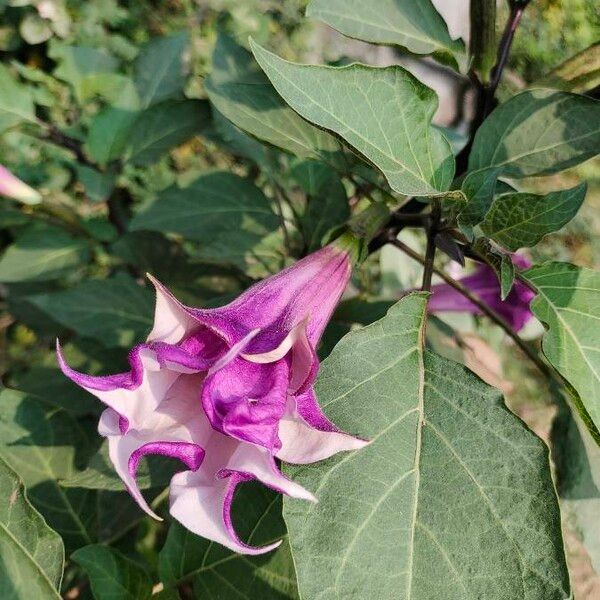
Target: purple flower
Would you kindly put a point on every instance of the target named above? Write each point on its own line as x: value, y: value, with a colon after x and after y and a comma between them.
x: 13, y: 187
x: 227, y: 391
x: 484, y: 283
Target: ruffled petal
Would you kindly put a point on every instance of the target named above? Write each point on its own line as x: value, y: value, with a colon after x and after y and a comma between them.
x: 176, y: 429
x: 201, y: 501
x: 133, y: 395
x: 246, y: 400
x: 154, y: 368
x: 305, y: 363
x: 302, y: 443
x: 203, y: 505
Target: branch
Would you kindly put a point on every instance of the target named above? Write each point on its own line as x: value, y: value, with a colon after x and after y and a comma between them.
x: 434, y: 221
x: 517, y: 7
x: 58, y: 138
x: 482, y: 306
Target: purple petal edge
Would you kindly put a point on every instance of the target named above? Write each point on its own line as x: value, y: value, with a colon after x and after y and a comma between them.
x: 191, y: 455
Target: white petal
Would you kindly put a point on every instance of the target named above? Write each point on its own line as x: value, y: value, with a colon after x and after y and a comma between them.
x: 302, y: 444
x: 284, y: 347
x: 202, y: 504
x: 172, y: 321
x: 257, y: 461
x: 136, y: 404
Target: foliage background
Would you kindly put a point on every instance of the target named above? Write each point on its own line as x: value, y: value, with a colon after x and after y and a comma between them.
x: 75, y: 60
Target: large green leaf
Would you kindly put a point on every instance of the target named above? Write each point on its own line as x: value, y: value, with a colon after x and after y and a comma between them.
x: 241, y: 92
x: 520, y: 219
x: 452, y: 499
x: 159, y: 69
x: 568, y: 303
x: 206, y: 209
x: 16, y: 103
x: 219, y: 573
x: 42, y: 253
x: 577, y: 460
x: 116, y: 312
x: 538, y: 132
x: 112, y: 575
x: 108, y: 134
x: 416, y: 26
x: 44, y: 444
x: 384, y: 113
x: 162, y: 127
x: 31, y: 553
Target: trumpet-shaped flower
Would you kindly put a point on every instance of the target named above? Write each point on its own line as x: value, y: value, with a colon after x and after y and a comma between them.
x: 13, y: 187
x: 484, y: 284
x: 227, y: 391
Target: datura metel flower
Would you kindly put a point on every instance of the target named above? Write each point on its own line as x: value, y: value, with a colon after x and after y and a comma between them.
x: 13, y: 187
x: 227, y: 391
x: 483, y: 282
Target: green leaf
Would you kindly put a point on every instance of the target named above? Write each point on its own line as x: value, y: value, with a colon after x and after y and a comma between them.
x: 452, y: 499
x: 160, y: 72
x: 478, y: 187
x: 116, y: 312
x: 98, y: 186
x: 568, y: 303
x: 257, y: 256
x: 327, y: 201
x: 164, y: 126
x: 109, y: 134
x: 579, y: 73
x: 538, y: 132
x: 75, y: 63
x: 50, y: 384
x: 243, y: 94
x: 32, y: 553
x: 112, y: 575
x: 206, y: 209
x: 522, y: 220
x: 577, y: 460
x: 384, y: 113
x: 217, y: 572
x: 41, y: 254
x: 45, y: 444
x: 238, y: 142
x: 16, y: 103
x: 416, y: 26
x: 500, y: 261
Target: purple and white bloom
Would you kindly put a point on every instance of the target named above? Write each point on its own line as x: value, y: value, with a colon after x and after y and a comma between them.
x: 227, y: 391
x: 13, y: 187
x: 484, y: 283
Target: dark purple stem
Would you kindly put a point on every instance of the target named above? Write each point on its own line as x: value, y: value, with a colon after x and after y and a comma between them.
x: 516, y: 12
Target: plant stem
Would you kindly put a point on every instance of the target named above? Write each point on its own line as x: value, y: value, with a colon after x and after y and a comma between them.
x: 516, y: 12
x: 482, y: 306
x: 58, y: 138
x: 434, y: 221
